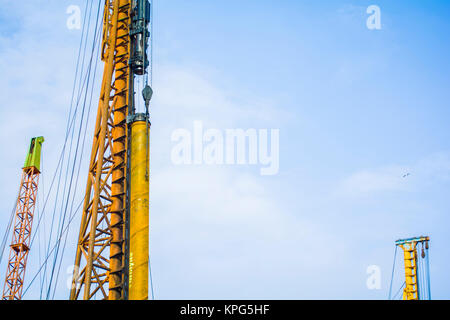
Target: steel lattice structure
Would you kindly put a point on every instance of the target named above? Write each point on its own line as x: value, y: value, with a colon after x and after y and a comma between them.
x: 99, y: 263
x: 102, y: 263
x: 410, y: 256
x: 23, y: 222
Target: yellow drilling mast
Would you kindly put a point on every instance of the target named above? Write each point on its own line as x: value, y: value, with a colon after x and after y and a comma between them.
x: 112, y: 252
x: 139, y: 209
x: 412, y: 290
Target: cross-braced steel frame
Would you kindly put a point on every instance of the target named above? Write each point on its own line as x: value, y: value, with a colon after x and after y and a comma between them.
x: 20, y: 245
x: 100, y: 260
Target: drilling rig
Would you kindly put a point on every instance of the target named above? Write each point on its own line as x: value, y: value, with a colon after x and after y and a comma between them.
x: 23, y: 222
x: 111, y: 260
x: 417, y: 282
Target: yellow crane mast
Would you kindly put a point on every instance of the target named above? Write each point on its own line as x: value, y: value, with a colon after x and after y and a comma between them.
x: 112, y: 251
x: 413, y: 288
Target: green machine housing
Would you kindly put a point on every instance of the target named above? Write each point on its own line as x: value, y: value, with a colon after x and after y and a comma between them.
x: 34, y: 153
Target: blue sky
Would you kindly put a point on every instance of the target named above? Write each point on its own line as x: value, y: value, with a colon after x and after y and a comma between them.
x: 356, y: 109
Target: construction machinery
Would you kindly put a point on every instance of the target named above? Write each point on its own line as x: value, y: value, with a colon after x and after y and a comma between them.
x: 23, y: 222
x: 112, y: 251
x: 417, y: 274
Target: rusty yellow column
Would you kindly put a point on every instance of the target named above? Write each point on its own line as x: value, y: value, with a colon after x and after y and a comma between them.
x: 139, y: 208
x: 119, y: 153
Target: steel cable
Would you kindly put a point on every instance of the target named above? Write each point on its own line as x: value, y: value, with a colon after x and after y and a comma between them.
x: 392, y: 276
x: 65, y: 202
x: 54, y: 247
x: 94, y: 47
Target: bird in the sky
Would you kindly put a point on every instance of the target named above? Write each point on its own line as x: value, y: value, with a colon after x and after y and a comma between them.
x: 406, y: 175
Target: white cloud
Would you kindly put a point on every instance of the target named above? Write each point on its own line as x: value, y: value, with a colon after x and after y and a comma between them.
x: 369, y: 182
x: 396, y: 178
x: 219, y: 229
x: 183, y: 95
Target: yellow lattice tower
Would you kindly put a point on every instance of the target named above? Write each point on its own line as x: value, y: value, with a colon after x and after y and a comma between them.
x: 410, y: 257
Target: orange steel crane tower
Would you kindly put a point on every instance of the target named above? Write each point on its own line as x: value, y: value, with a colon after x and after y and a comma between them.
x: 26, y: 204
x: 115, y: 210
